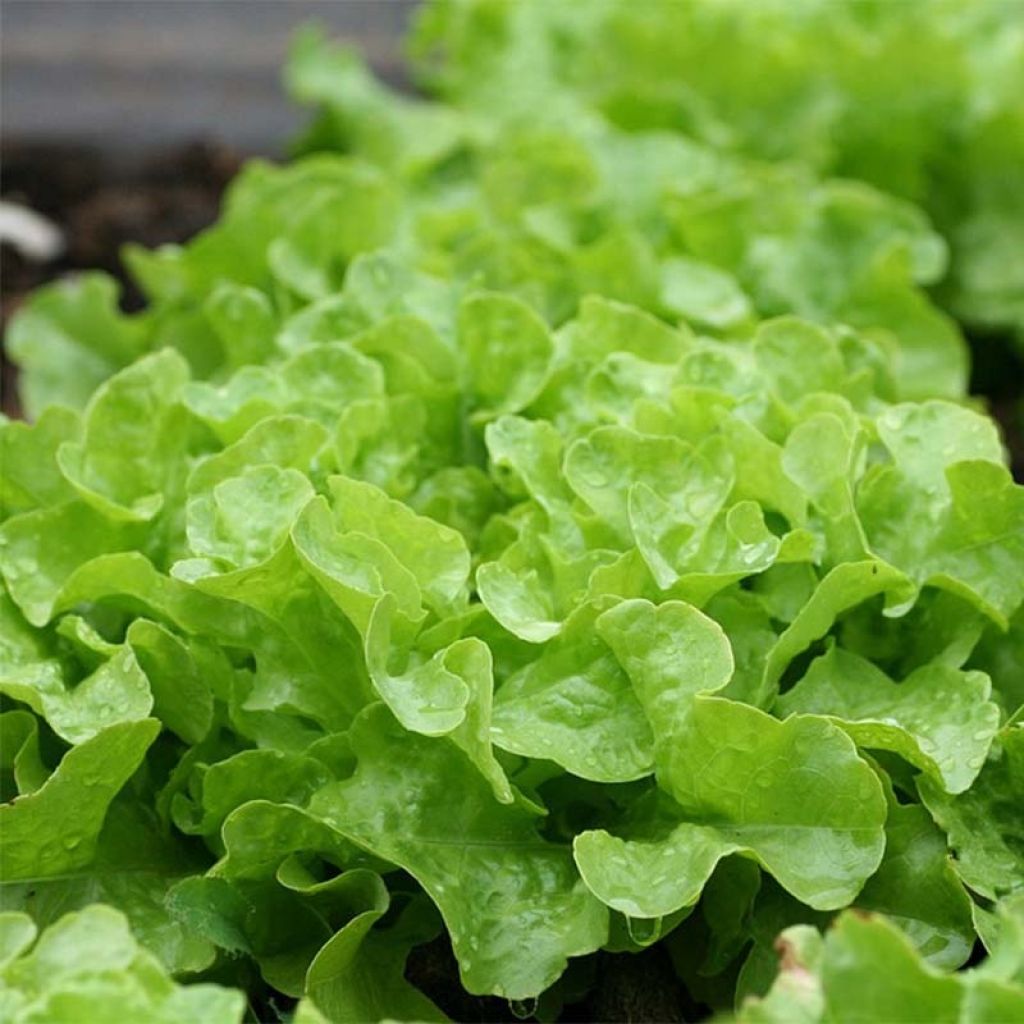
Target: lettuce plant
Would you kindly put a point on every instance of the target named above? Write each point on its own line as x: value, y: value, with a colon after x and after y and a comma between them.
x: 918, y: 99
x: 550, y: 538
x: 88, y: 966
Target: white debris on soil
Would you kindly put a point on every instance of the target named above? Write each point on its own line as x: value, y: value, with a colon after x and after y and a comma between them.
x: 35, y: 237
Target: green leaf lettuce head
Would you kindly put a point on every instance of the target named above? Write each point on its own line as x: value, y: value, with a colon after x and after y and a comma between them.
x: 821, y: 83
x: 543, y: 536
x: 865, y: 969
x: 88, y: 966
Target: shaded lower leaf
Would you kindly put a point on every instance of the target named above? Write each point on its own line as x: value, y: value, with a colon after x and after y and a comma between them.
x: 513, y: 904
x: 359, y: 975
x: 54, y: 981
x: 54, y: 830
x: 132, y: 869
x: 916, y: 887
x: 984, y: 826
x: 846, y: 586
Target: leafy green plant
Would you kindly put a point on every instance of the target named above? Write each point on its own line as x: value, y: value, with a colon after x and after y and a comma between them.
x: 550, y: 537
x: 88, y: 966
x: 825, y: 83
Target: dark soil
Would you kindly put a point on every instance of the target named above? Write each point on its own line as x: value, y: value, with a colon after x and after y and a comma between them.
x: 997, y: 374
x: 616, y: 988
x: 432, y: 968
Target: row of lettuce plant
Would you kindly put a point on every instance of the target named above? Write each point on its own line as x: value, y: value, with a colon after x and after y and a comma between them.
x: 522, y: 520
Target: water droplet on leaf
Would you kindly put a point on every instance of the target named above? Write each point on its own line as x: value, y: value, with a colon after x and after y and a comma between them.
x: 522, y: 1009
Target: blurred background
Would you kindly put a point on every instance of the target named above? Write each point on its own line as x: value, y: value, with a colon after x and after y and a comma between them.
x: 126, y: 74
x: 123, y: 120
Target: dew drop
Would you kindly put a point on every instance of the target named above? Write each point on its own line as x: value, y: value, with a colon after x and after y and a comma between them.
x: 866, y: 789
x: 804, y: 746
x: 523, y: 1009
x: 643, y: 930
x: 750, y: 556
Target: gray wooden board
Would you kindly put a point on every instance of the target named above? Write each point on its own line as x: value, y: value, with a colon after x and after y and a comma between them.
x: 129, y: 74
